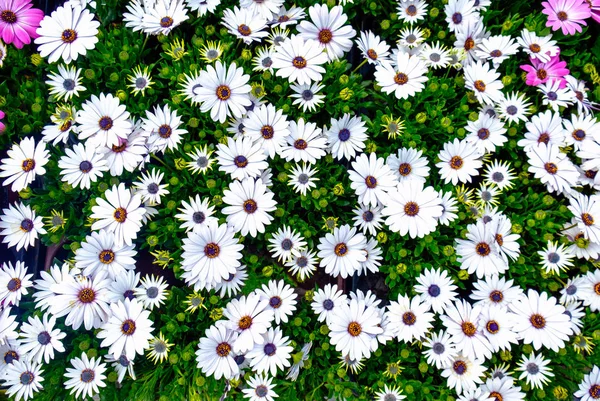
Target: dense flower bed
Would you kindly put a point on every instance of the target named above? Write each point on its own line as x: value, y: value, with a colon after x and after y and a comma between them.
x: 258, y: 199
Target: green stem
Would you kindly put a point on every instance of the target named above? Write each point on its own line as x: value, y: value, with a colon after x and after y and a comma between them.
x: 568, y: 228
x: 144, y: 44
x: 360, y: 65
x: 160, y: 161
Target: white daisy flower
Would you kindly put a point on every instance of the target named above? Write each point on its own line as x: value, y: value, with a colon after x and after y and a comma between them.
x: 409, y: 320
x: 535, y: 370
x: 14, y: 283
x: 164, y: 16
x: 555, y: 258
x: 162, y: 129
x: 267, y: 127
x: 66, y: 83
x: 409, y: 164
x: 10, y: 352
x: 513, y: 108
x: 353, y: 329
x: 505, y: 238
x: 307, y: 96
x: 542, y: 48
x: 373, y: 49
x: 411, y: 37
x: 483, y: 81
x: 241, y: 158
x: 150, y: 187
x: 196, y: 214
x: 497, y: 324
x: 495, y: 291
x: 23, y: 378
x: 99, y: 253
x: 215, y: 353
x: 435, y: 56
x: 224, y: 91
x: 152, y: 291
x: 140, y: 80
x: 305, y: 142
x: 326, y: 301
x: 449, y: 208
x: 389, y: 394
x: 459, y: 13
x: 120, y: 214
x: 496, y: 48
x: 210, y: 254
x: 468, y: 39
x: 540, y: 321
x: 545, y: 128
x: 411, y: 11
x: 104, y: 120
x: 486, y: 133
x: 277, y: 36
x: 441, y: 350
x: 372, y: 180
x: 81, y: 166
x: 405, y: 78
x: 304, y: 265
x: 500, y: 174
x: 283, y: 17
x: 571, y: 290
x: 590, y: 290
x: 581, y: 130
x: 272, y: 354
x: 346, y: 136
x: 373, y: 261
x: 299, y: 60
x: 555, y: 96
x: 123, y: 287
x: 584, y: 105
x: 128, y: 155
x: 412, y: 209
x: 260, y: 389
x: 589, y: 388
x: 137, y: 9
x: 461, y: 321
x: 464, y: 373
x: 128, y: 330
x: 68, y: 32
x: 368, y: 218
x: 249, y: 203
x: 201, y: 160
x: 263, y: 8
x: 328, y: 30
x: 436, y: 288
x: 459, y: 162
x: 552, y: 167
x: 203, y: 6
x: 503, y: 389
x: 45, y: 286
x: 62, y: 125
x: 580, y: 246
x: 39, y: 338
x: 302, y: 178
x: 232, y: 285
x: 250, y: 317
x: 24, y: 162
x: 285, y: 244
x: 122, y: 366
x: 342, y: 252
x: 20, y: 226
x: 245, y: 24
x: 86, y: 376
x: 480, y: 253
x: 281, y: 297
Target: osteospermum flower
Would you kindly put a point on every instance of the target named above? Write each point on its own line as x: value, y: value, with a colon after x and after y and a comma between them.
x: 305, y: 142
x: 224, y: 91
x: 286, y: 243
x: 566, y: 15
x: 405, y: 78
x: 307, y: 96
x: 281, y: 297
x: 463, y: 373
x: 164, y: 17
x: 120, y: 214
x: 373, y: 49
x: 551, y: 71
x: 535, y: 370
x: 23, y: 378
x: 496, y: 49
x: 215, y: 352
x: 267, y: 127
x: 195, y: 214
x: 272, y: 354
x: 99, y: 253
x: 552, y: 167
x: 250, y: 318
x: 241, y: 158
x: 371, y: 179
x: 245, y: 24
x: 483, y: 81
x: 408, y: 319
x: 162, y: 128
x: 479, y: 253
x: 81, y: 166
x: 459, y: 162
x: 441, y: 350
x: 18, y: 22
x: 66, y: 83
x: 299, y: 60
x: 20, y: 226
x: 104, y: 120
x: 346, y: 136
x: 589, y: 388
x: 436, y: 288
x: 261, y: 389
x: 343, y: 251
x: 24, y: 162
x: 70, y: 31
x: 14, y: 283
x: 86, y: 376
x: 544, y: 128
x: 460, y: 13
x: 139, y: 80
x: 39, y: 338
x: 486, y: 133
x: 302, y: 178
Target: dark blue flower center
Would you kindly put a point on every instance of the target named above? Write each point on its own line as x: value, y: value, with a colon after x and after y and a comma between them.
x: 44, y: 338
x: 328, y: 304
x: 270, y: 349
x: 344, y: 134
x: 85, y: 166
x: 434, y: 290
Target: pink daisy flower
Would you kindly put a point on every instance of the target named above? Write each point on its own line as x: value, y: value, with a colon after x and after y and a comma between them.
x: 567, y: 15
x: 18, y: 22
x: 2, y: 126
x: 595, y: 9
x: 540, y: 73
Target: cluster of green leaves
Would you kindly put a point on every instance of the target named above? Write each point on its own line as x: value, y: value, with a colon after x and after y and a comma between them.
x: 433, y: 117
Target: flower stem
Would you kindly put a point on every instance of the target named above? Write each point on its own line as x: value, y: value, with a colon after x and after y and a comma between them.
x: 360, y: 65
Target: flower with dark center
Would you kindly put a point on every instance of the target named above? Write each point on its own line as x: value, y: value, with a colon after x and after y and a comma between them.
x: 244, y: 30
x: 341, y: 249
x: 468, y: 329
x: 10, y: 356
x: 152, y: 292
x: 435, y: 57
x: 14, y: 284
x: 106, y: 256
x: 409, y: 318
x: 261, y: 391
x: 496, y: 296
x: 434, y: 290
x: 239, y: 359
x: 211, y: 250
x: 140, y: 83
x: 354, y: 328
x: 202, y: 161
x: 240, y: 161
x: 411, y: 10
x: 371, y: 181
x: 44, y: 338
x: 26, y: 225
x: 300, y: 144
x: 270, y: 349
x: 325, y: 36
x: 344, y: 134
x: 223, y: 92
x: 499, y: 239
x: 578, y: 135
x: 165, y: 131
x: 68, y: 36
x: 85, y: 166
x: 8, y: 16
x: 535, y: 48
x: 438, y: 348
x: 250, y: 206
x: 267, y: 62
x: 457, y: 18
x: 303, y: 178
x: 267, y: 132
x: 541, y: 74
x: 129, y: 294
x: 483, y: 133
x: 552, y: 96
x: 512, y: 110
x: 537, y: 321
x: 482, y: 249
x: 411, y: 209
x: 245, y: 322
x: 120, y: 148
x: 26, y: 378
x: 401, y: 78
x: 591, y: 174
x: 307, y: 94
x: 551, y: 168
x: 166, y: 22
x: 275, y: 302
x: 456, y: 162
x: 87, y: 375
x: 372, y: 54
x: 479, y: 85
x: 69, y: 84
x: 28, y: 165
x: 562, y: 16
x: 302, y: 261
x: 105, y: 123
x: 404, y: 169
x: 571, y: 290
x: 469, y: 44
x: 496, y: 53
x: 223, y: 349
x: 299, y: 62
x: 328, y: 304
x: 120, y: 215
x: 86, y: 295
x: 595, y: 391
x: 492, y: 327
x: 587, y: 219
x: 368, y: 216
x: 287, y: 244
x: 597, y: 288
x: 459, y: 367
x: 128, y: 327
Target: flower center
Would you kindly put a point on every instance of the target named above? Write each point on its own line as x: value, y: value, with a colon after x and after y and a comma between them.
x: 371, y: 182
x: 107, y: 256
x: 571, y: 290
x: 240, y: 161
x: 211, y: 250
x: 479, y: 85
x: 552, y: 96
x: 302, y: 261
x: 409, y: 318
x: 129, y: 294
x: 28, y: 165
x: 438, y: 348
x: 401, y: 78
x: 307, y: 95
x: 354, y: 328
x: 496, y: 296
x: 590, y: 174
x: 533, y: 368
x: 578, y: 135
x: 325, y: 36
x: 562, y: 16
x: 244, y: 30
x: 14, y: 284
x: 496, y: 53
x: 26, y: 378
x: 551, y: 168
x: 44, y: 338
x: 140, y: 83
x: 300, y: 144
x: 87, y: 375
x: 411, y: 10
x: 469, y: 44
x: 8, y: 16
x: 27, y: 225
x: 275, y: 302
x: 595, y: 391
x: 587, y: 219
x: 86, y: 295
x: 328, y: 304
x: 10, y: 356
x: 344, y: 134
x: 165, y: 131
x: 105, y: 123
x: 287, y: 244
x: 68, y: 84
x: 468, y: 328
x: 459, y: 367
x: 341, y: 249
x: 128, y: 327
x: 245, y: 322
x: 261, y: 391
x: 267, y: 132
x: 597, y: 288
x: 404, y: 169
x: 496, y: 396
x: 85, y: 166
x: 120, y: 148
x: 166, y: 22
x: 541, y: 74
x: 537, y: 321
x: 270, y: 349
x: 372, y: 54
x: 483, y: 133
x: 299, y: 62
x: 153, y: 188
x: 250, y: 206
x: 411, y: 209
x: 223, y: 349
x: 64, y: 127
x: 152, y: 292
x: 457, y: 18
x: 512, y: 110
x: 223, y: 92
x: 492, y: 327
x: 456, y: 162
x: 303, y: 178
x: 535, y: 48
x: 368, y: 216
x: 544, y: 138
x: 499, y: 239
x: 120, y: 215
x: 68, y: 36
